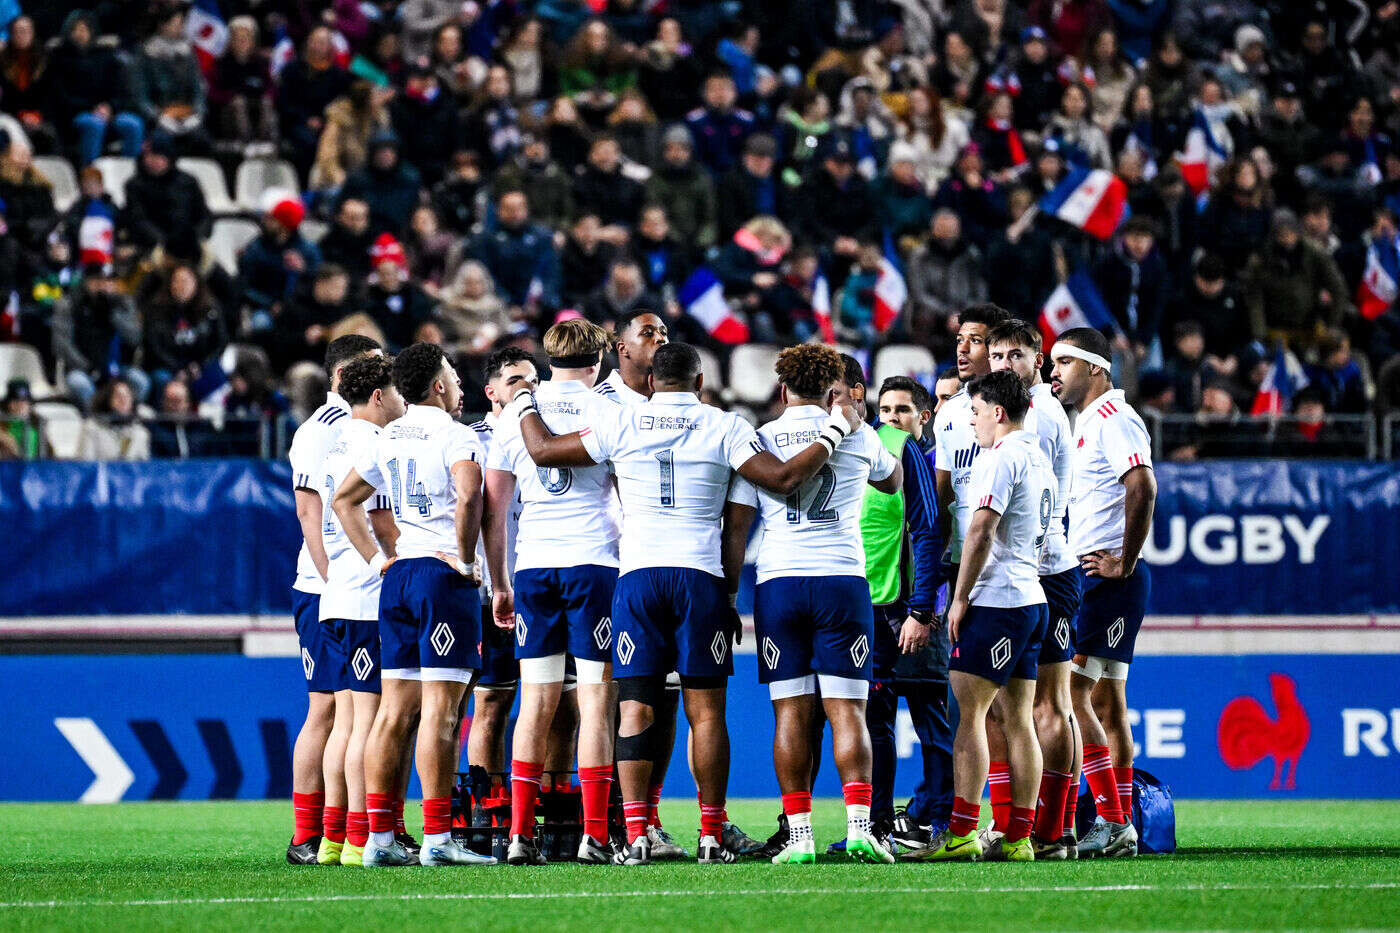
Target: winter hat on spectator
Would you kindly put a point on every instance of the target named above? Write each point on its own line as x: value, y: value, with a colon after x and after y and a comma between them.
x: 1284, y: 219
x: 761, y: 144
x: 677, y: 135
x: 283, y: 206
x: 387, y: 249
x: 161, y: 143
x: 903, y: 151
x: 1248, y: 35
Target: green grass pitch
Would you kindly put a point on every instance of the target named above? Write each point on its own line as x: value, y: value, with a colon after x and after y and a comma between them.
x: 1242, y: 865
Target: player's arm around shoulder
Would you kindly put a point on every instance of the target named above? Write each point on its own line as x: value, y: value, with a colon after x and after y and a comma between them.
x: 781, y: 477
x: 545, y: 448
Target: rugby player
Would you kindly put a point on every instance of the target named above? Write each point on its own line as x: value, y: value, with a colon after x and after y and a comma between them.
x: 1112, y: 494
x: 560, y: 599
x: 997, y: 617
x: 429, y: 611
x: 812, y: 609
x: 350, y: 610
x: 1015, y: 346
x: 673, y: 458
x: 312, y: 441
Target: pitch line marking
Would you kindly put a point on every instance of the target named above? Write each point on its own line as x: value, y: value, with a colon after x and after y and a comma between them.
x: 763, y: 892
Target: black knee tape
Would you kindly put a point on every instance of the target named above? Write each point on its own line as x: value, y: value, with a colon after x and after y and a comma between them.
x: 703, y: 683
x: 635, y: 747
x: 647, y: 690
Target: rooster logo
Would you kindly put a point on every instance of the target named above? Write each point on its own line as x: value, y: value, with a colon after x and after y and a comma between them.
x: 1247, y: 734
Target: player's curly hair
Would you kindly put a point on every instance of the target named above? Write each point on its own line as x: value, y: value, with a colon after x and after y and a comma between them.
x: 360, y: 377
x: 809, y: 370
x: 415, y: 369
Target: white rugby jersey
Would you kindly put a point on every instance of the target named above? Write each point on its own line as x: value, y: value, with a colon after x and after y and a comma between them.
x: 352, y: 588
x: 485, y: 431
x: 619, y: 391
x: 1050, y: 425
x: 570, y: 513
x: 956, y: 449
x: 1109, y: 440
x: 312, y: 441
x: 815, y: 531
x: 413, y: 462
x: 1014, y: 478
x: 673, y: 457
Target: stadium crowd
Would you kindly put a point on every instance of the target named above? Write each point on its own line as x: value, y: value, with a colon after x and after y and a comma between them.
x: 468, y: 174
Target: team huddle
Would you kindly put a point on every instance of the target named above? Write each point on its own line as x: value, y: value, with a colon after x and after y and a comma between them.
x: 582, y: 547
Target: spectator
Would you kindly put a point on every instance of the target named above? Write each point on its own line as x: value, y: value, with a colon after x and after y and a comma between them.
x: 397, y: 305
x: 349, y: 239
x: 475, y: 316
x: 240, y: 87
x: 492, y: 125
x: 567, y: 134
x: 308, y: 86
x: 1113, y: 77
x: 945, y: 276
x: 1132, y: 279
x: 1367, y: 147
x: 960, y: 75
x: 624, y: 290
x: 300, y: 331
x: 274, y: 264
x: 252, y: 395
x: 1317, y: 229
x: 163, y: 203
x: 664, y: 257
x: 1235, y: 222
x: 905, y: 207
x: 455, y: 197
x: 1290, y: 139
x: 524, y: 54
x: 998, y: 139
x: 23, y: 78
x: 1337, y: 377
x: 601, y: 188
x: 167, y: 88
x: 1034, y: 72
x: 27, y: 196
x: 114, y: 433
x: 349, y: 124
x: 20, y: 438
x: 634, y: 127
x: 585, y: 259
x: 1310, y: 434
x: 428, y: 247
x: 548, y: 189
x: 1332, y: 177
x: 390, y: 186
x: 1140, y: 23
x: 87, y: 92
x: 1069, y: 23
x: 1073, y: 127
x: 686, y: 191
x: 520, y: 257
x: 1212, y: 301
x: 974, y: 197
x: 750, y: 267
x: 1171, y: 77
x: 668, y: 71
x: 1187, y: 366
x: 867, y: 123
x: 834, y: 209
x: 1246, y: 72
x: 937, y: 137
x: 185, y: 328
x: 804, y: 132
x: 718, y: 126
x: 96, y: 334
x: 50, y: 277
x: 1021, y: 261
x: 751, y: 188
x: 596, y: 68
x: 450, y: 63
x: 856, y: 321
x: 1293, y: 290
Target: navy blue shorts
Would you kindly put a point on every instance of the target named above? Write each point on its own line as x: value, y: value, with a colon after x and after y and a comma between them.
x: 498, y: 665
x: 429, y: 618
x: 321, y: 656
x: 357, y: 653
x: 1062, y: 594
x: 564, y: 609
x: 1111, y: 616
x: 999, y: 644
x: 670, y: 619
x: 814, y: 625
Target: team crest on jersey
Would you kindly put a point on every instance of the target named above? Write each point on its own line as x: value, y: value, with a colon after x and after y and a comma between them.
x: 1001, y: 652
x: 362, y: 665
x: 771, y: 653
x: 625, y: 648
x: 1115, y: 632
x: 1062, y: 634
x: 521, y: 632
x: 860, y: 650
x: 718, y: 646
x: 602, y: 633
x: 442, y: 640
x: 307, y: 664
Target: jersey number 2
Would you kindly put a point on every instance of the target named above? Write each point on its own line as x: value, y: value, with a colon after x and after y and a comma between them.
x: 819, y: 512
x: 411, y: 492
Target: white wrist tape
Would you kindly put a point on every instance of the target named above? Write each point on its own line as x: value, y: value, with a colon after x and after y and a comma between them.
x: 521, y: 404
x: 377, y: 562
x: 1093, y: 359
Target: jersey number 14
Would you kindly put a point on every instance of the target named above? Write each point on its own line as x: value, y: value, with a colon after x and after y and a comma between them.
x: 410, y: 493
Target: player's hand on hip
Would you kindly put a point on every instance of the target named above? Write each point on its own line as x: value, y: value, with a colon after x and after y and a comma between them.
x: 957, y: 612
x: 503, y: 609
x: 1104, y: 564
x: 913, y: 636
x: 470, y: 571
x: 384, y: 567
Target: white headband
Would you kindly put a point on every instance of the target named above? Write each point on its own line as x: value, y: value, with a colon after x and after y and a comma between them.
x: 1068, y: 349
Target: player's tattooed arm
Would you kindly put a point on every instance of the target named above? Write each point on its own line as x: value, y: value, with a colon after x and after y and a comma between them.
x: 780, y: 477
x: 1140, y: 498
x: 500, y: 491
x: 466, y: 477
x: 310, y: 515
x: 348, y: 505
x: 976, y: 548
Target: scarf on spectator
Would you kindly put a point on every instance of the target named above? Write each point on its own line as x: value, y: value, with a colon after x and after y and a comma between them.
x: 1013, y: 139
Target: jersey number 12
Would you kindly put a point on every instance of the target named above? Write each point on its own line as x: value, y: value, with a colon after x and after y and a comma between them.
x: 819, y: 512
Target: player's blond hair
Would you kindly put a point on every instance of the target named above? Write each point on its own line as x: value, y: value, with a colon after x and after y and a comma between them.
x: 809, y: 370
x: 576, y: 337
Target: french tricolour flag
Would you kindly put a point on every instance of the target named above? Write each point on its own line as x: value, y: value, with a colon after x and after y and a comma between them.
x: 1380, y: 283
x: 206, y: 29
x: 1094, y: 200
x: 890, y: 294
x: 1284, y: 380
x: 821, y: 307
x: 702, y: 296
x: 1076, y: 303
x: 96, y: 234
x: 1201, y: 155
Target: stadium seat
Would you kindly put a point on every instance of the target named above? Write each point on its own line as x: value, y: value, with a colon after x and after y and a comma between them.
x: 211, y: 181
x: 258, y: 175
x: 229, y: 236
x: 709, y: 365
x: 116, y: 172
x: 61, y: 176
x: 19, y: 361
x: 62, y: 426
x: 902, y: 360
x: 751, y: 375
